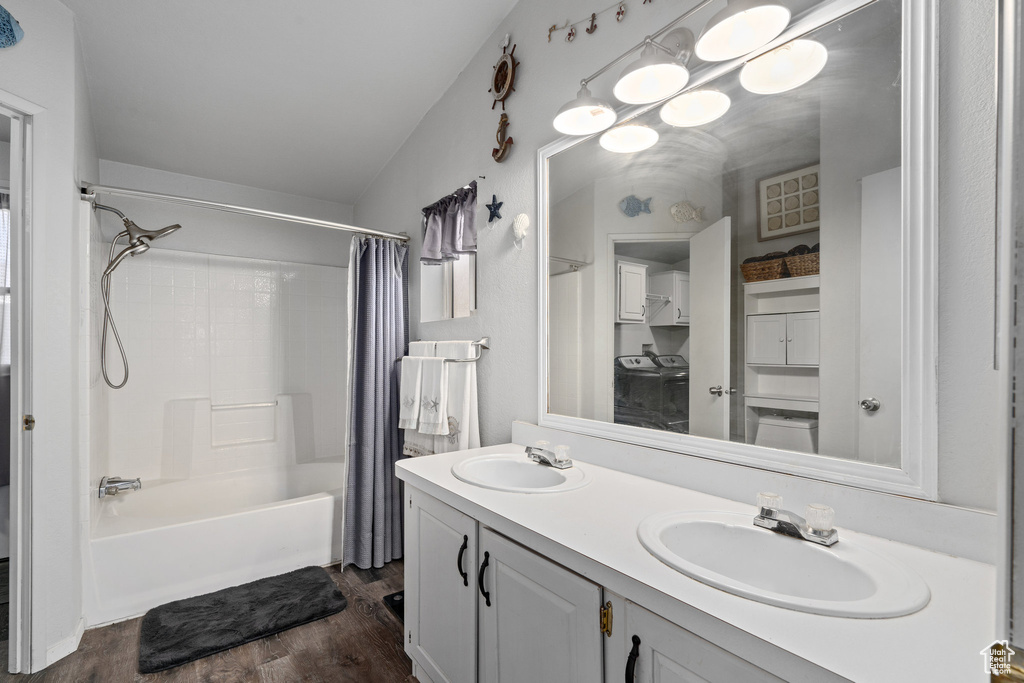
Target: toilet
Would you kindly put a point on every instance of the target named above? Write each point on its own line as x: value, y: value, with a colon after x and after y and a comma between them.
x: 788, y: 433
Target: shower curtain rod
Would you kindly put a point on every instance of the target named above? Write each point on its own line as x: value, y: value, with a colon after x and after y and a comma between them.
x: 91, y: 191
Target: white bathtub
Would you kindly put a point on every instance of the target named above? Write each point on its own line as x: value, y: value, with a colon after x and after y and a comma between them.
x: 178, y: 539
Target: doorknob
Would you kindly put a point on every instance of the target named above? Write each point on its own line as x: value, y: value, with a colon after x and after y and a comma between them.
x: 715, y: 391
x: 870, y: 404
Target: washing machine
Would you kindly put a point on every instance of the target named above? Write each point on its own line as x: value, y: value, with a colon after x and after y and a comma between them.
x: 675, y: 391
x: 652, y: 392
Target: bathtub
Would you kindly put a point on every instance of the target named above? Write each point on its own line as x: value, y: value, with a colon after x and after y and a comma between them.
x: 177, y: 539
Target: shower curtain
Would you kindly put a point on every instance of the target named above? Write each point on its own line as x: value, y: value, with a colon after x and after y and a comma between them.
x: 379, y: 324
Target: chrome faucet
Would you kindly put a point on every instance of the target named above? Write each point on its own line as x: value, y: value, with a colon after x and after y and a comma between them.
x: 817, y: 528
x: 556, y: 458
x: 111, y: 486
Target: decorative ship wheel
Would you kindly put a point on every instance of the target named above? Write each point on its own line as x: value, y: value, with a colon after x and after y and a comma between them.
x: 504, y: 78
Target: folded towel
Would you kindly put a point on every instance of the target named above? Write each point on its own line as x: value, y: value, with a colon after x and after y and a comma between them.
x: 417, y: 444
x: 463, y: 416
x: 433, y: 397
x: 409, y: 392
x: 422, y: 348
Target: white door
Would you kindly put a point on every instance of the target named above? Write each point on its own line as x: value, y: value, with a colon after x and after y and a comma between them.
x: 632, y: 304
x: 681, y: 297
x: 542, y: 623
x: 710, y: 280
x: 803, y: 330
x: 766, y: 339
x: 880, y: 321
x: 666, y: 653
x: 440, y: 589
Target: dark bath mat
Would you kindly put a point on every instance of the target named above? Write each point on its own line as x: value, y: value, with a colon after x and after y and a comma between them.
x: 186, y: 630
x: 396, y: 601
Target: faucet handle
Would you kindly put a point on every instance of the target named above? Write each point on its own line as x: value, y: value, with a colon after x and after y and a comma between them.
x: 561, y: 453
x: 820, y: 517
x: 772, y: 501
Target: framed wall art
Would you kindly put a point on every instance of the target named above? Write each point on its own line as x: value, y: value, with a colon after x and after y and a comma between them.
x: 788, y: 203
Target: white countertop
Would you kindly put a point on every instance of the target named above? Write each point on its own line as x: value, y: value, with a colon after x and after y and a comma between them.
x: 592, y: 531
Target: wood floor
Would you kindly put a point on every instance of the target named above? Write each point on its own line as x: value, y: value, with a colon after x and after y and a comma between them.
x: 361, y: 644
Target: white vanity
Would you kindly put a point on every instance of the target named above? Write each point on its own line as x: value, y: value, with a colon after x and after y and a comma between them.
x: 512, y: 586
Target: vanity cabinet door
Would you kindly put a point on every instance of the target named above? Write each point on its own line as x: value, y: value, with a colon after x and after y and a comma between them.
x: 542, y: 621
x: 632, y: 293
x: 440, y: 589
x: 667, y: 653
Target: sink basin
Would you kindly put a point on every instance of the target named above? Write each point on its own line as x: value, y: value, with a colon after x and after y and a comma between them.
x: 515, y: 472
x: 725, y: 550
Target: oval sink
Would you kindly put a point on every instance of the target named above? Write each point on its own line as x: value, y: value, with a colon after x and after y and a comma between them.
x: 515, y: 472
x: 725, y: 550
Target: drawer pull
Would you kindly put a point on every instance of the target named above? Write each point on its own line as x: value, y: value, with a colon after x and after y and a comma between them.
x: 634, y: 655
x: 462, y: 551
x: 480, y: 579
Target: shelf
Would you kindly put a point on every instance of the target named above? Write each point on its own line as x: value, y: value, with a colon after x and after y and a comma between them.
x: 781, y: 402
x: 658, y: 297
x: 782, y: 365
x: 785, y: 284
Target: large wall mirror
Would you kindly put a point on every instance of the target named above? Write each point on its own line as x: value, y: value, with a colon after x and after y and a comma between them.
x: 758, y: 285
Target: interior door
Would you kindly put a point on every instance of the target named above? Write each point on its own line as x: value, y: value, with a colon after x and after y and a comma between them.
x: 710, y: 280
x: 878, y: 431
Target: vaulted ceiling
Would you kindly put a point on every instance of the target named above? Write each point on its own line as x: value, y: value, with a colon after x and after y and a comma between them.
x: 311, y: 97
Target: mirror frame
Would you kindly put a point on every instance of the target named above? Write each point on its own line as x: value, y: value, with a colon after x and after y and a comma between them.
x: 918, y: 474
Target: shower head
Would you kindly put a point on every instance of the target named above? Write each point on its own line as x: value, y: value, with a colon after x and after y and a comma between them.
x: 130, y: 250
x: 136, y: 235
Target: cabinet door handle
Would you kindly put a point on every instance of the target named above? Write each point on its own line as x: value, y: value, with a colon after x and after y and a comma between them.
x: 462, y: 551
x: 634, y: 655
x: 679, y: 313
x: 644, y: 309
x: 480, y: 579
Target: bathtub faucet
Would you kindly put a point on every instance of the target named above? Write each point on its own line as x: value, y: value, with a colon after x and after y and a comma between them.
x: 111, y: 486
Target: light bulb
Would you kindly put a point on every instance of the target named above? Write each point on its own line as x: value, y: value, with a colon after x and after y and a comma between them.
x: 784, y: 68
x: 739, y: 29
x: 629, y: 138
x: 695, y: 108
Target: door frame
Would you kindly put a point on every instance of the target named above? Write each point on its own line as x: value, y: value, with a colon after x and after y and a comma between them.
x: 22, y: 114
x: 605, y: 370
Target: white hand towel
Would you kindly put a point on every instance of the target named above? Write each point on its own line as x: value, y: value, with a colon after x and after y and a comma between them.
x: 433, y: 397
x: 417, y: 444
x: 409, y: 393
x: 462, y: 405
x: 422, y: 348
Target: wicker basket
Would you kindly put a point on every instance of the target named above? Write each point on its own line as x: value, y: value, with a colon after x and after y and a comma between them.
x: 764, y: 270
x: 805, y: 264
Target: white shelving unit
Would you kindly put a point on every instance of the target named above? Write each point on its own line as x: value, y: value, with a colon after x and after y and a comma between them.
x: 781, y: 347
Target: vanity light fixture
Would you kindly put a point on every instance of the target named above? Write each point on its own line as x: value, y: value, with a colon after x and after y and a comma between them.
x: 629, y: 138
x: 784, y: 68
x: 740, y: 28
x: 660, y: 72
x: 695, y: 108
x: 584, y: 115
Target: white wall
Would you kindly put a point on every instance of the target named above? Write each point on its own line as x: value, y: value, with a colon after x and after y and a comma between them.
x: 223, y: 330
x: 452, y: 143
x: 215, y: 232
x: 43, y: 69
x: 5, y: 164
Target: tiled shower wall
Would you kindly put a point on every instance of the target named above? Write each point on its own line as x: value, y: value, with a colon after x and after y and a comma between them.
x: 229, y: 330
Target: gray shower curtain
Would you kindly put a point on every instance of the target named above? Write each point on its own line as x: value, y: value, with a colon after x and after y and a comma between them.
x: 378, y: 272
